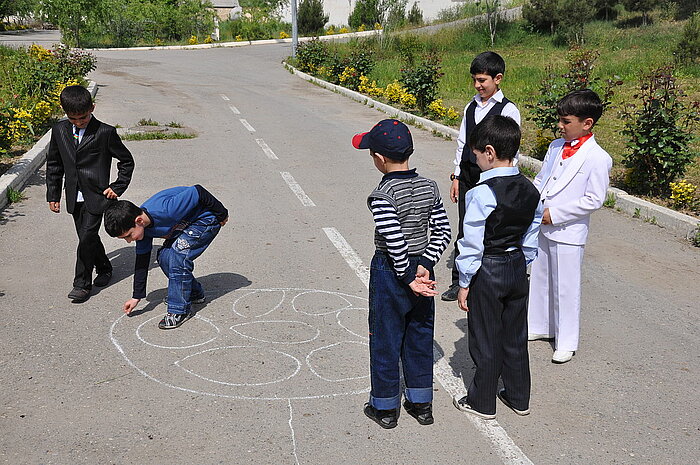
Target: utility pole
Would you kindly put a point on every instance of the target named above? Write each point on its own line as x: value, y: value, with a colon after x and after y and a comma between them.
x: 295, y: 35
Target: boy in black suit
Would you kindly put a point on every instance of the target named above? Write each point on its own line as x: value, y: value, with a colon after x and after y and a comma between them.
x: 81, y: 149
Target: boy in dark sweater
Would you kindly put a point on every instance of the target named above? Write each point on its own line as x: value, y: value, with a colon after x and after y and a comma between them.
x: 188, y: 218
x: 412, y: 230
x: 501, y: 224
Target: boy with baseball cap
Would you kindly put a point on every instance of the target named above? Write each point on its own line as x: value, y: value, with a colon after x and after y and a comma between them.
x: 412, y: 230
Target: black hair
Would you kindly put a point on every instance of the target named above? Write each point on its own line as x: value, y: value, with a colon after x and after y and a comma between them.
x: 76, y: 100
x: 120, y: 216
x: 500, y: 132
x: 581, y: 104
x: 489, y: 63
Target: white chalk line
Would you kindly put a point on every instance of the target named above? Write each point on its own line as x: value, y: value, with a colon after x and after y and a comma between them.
x: 268, y: 151
x: 266, y: 341
x: 348, y: 254
x: 502, y: 444
x: 291, y: 428
x: 234, y: 110
x: 223, y: 97
x: 247, y: 125
x: 298, y: 191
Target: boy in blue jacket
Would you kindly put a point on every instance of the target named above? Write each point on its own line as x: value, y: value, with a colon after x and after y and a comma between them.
x: 188, y: 218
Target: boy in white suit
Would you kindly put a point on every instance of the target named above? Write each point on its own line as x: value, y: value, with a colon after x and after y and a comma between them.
x: 573, y: 184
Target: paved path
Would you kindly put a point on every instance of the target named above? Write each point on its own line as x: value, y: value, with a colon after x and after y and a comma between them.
x: 274, y: 367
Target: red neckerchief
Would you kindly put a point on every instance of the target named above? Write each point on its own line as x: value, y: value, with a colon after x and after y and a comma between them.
x: 571, y: 147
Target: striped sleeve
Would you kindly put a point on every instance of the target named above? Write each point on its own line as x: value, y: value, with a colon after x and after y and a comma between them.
x: 388, y: 226
x: 440, y: 235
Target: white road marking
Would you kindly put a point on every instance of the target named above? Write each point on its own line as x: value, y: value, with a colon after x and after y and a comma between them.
x: 234, y: 109
x: 296, y: 188
x: 348, y: 254
x: 268, y: 151
x: 247, y: 125
x: 502, y: 444
x: 223, y: 97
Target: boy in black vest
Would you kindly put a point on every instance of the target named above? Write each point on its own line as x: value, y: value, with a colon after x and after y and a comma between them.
x: 487, y: 72
x: 501, y: 225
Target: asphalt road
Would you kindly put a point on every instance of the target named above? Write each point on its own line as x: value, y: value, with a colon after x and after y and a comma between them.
x: 274, y: 367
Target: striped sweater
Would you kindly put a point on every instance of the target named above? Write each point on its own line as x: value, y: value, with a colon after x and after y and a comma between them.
x: 410, y: 220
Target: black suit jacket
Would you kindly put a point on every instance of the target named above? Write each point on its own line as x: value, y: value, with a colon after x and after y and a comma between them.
x: 87, y: 167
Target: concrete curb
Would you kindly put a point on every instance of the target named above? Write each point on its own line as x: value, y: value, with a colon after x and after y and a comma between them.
x: 244, y: 43
x: 677, y: 223
x: 16, y: 177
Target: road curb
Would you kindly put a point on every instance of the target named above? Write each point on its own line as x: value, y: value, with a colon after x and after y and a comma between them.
x: 678, y: 224
x: 17, y: 176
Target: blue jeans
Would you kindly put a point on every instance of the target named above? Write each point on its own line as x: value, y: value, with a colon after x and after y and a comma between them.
x: 400, y: 330
x: 176, y: 259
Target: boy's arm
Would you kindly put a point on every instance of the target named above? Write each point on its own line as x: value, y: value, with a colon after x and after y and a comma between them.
x: 481, y: 202
x: 143, y: 260
x: 54, y: 174
x: 125, y: 163
x: 212, y: 204
x: 461, y: 141
x: 388, y: 226
x: 591, y: 200
x: 539, y: 179
x: 531, y: 236
x: 440, y: 235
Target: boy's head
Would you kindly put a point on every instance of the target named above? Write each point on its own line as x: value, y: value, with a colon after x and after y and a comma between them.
x: 125, y: 220
x: 495, y: 141
x: 578, y: 112
x: 487, y: 72
x: 76, y: 102
x: 389, y: 138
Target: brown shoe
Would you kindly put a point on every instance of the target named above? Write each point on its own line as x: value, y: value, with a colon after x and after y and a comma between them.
x: 79, y: 295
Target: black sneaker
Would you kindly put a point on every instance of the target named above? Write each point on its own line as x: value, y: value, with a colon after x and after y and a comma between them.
x: 174, y: 320
x: 79, y: 295
x: 102, y: 279
x: 463, y: 404
x: 387, y: 419
x: 423, y: 411
x: 502, y: 395
x: 450, y: 295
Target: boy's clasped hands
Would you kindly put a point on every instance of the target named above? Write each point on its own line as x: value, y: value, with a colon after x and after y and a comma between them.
x: 422, y: 284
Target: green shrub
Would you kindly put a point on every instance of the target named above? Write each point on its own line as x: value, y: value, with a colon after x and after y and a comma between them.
x: 422, y: 80
x: 415, y: 15
x: 310, y: 17
x: 311, y: 55
x: 688, y: 48
x: 365, y: 12
x: 659, y: 131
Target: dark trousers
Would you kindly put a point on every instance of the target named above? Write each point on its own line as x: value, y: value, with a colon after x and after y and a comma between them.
x: 91, y: 253
x: 461, y: 204
x: 400, y: 331
x: 497, y: 319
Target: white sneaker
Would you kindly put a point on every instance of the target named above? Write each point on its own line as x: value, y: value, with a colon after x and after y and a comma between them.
x: 562, y: 356
x: 537, y: 337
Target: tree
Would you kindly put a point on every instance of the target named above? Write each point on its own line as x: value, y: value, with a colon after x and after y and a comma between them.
x: 643, y: 6
x: 365, y: 12
x: 542, y: 15
x: 492, y: 13
x: 72, y: 17
x: 310, y: 17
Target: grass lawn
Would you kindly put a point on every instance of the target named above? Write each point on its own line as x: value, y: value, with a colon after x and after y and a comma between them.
x: 625, y: 51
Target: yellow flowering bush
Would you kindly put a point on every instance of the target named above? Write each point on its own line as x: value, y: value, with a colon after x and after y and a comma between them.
x: 239, y: 38
x: 39, y: 53
x: 42, y: 112
x: 193, y: 40
x: 343, y: 30
x: 377, y: 26
x: 396, y: 93
x: 330, y: 31
x: 438, y: 109
x: 158, y: 42
x: 284, y: 35
x: 350, y: 78
x: 369, y: 88
x: 362, y: 28
x: 208, y: 40
x: 683, y: 194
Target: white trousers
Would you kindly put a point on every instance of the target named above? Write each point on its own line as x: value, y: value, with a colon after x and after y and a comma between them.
x: 554, y: 304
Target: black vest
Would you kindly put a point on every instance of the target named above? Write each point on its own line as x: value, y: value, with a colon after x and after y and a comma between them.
x: 468, y: 168
x: 517, y: 199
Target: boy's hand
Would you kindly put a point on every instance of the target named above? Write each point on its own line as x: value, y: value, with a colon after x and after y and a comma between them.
x: 222, y: 223
x: 423, y: 289
x: 423, y: 276
x: 454, y: 191
x: 546, y: 217
x: 110, y: 194
x: 462, y: 298
x: 130, y: 304
x: 55, y: 207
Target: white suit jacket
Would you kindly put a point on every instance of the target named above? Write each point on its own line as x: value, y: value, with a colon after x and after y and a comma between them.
x: 575, y: 192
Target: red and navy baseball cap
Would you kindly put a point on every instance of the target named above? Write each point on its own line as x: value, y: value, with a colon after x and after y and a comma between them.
x: 388, y: 137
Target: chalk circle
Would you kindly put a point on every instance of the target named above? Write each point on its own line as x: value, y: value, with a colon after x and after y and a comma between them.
x: 277, y: 332
x: 200, y: 331
x: 258, y: 366
x: 256, y: 303
x: 337, y: 362
x: 317, y: 303
x: 347, y: 319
